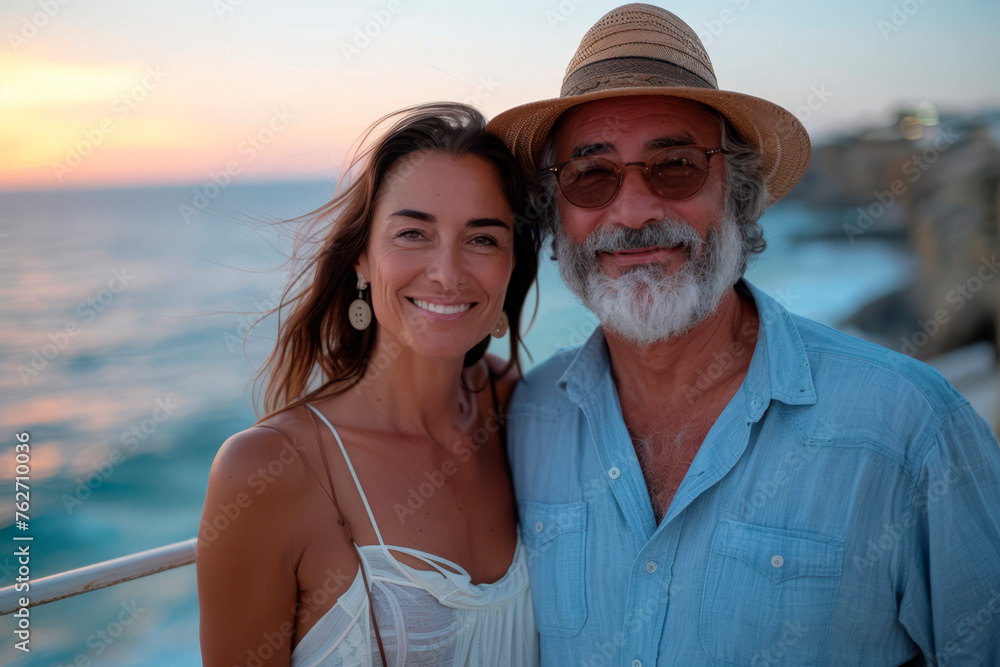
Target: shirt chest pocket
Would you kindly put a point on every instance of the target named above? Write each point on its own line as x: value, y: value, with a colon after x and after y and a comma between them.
x: 555, y: 538
x: 770, y: 595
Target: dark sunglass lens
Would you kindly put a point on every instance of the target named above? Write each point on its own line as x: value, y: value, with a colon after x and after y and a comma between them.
x: 588, y: 183
x: 678, y: 173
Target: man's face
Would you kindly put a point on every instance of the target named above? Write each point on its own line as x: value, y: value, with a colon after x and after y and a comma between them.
x: 631, y: 129
x: 648, y: 266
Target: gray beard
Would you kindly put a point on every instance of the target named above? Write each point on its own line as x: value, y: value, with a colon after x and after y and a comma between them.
x: 646, y: 304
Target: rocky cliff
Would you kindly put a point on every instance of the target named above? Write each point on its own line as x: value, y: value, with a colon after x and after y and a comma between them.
x: 936, y: 192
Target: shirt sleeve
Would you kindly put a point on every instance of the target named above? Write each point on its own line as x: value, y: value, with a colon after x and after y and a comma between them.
x: 950, y: 603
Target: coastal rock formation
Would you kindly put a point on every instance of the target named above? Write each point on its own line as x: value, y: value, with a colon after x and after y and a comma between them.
x: 937, y: 193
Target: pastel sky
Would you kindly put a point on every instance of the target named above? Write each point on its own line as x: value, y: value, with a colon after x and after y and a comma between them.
x: 135, y: 91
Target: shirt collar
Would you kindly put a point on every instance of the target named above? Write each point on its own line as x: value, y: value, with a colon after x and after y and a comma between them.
x: 590, y: 362
x: 787, y: 369
x: 779, y: 368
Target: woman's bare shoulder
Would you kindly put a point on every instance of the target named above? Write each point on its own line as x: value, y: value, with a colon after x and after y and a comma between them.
x: 269, y: 453
x: 253, y: 532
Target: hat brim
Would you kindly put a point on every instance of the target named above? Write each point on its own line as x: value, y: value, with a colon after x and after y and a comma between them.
x: 779, y: 136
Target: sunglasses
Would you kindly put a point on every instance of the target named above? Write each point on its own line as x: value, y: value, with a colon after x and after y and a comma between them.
x: 674, y: 173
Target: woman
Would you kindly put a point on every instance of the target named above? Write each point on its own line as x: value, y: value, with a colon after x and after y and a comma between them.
x: 371, y: 520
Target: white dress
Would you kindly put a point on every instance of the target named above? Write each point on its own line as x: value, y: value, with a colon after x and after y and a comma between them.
x: 425, y: 617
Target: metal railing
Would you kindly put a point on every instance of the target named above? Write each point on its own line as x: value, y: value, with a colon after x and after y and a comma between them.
x: 99, y: 575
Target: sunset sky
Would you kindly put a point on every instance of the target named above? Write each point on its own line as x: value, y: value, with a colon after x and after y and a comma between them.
x: 128, y: 92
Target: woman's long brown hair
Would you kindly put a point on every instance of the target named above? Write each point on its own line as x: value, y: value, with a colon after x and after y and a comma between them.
x: 317, y: 344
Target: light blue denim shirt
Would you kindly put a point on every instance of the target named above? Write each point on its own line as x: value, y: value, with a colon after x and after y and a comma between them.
x: 843, y: 510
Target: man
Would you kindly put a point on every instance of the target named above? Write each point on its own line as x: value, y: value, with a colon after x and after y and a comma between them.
x: 710, y: 480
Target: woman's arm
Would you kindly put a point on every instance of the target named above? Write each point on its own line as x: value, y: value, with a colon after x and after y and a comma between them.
x: 248, y: 548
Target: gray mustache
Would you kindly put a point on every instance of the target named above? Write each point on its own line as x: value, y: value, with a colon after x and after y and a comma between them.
x: 615, y: 238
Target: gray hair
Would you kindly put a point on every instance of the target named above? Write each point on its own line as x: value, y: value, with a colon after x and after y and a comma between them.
x: 746, y: 190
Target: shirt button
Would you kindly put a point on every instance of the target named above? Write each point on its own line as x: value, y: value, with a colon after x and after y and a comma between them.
x: 637, y: 663
x: 614, y: 473
x: 651, y: 567
x: 777, y: 561
x: 538, y: 527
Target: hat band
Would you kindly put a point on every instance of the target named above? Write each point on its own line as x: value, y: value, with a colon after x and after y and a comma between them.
x: 630, y: 73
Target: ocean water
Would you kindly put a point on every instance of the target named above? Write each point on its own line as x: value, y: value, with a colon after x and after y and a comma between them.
x: 123, y: 356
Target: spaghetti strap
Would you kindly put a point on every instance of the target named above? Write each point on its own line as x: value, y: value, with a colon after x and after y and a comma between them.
x: 350, y: 467
x: 348, y: 533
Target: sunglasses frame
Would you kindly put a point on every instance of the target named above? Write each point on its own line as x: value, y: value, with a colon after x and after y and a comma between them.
x: 620, y: 172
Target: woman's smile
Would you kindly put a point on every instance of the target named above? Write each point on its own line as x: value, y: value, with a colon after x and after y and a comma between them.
x: 442, y: 308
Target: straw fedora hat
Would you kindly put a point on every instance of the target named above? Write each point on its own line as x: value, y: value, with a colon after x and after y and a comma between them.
x: 640, y: 49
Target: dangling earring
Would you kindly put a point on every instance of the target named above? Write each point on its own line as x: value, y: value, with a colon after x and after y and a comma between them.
x: 360, y: 313
x: 501, y: 328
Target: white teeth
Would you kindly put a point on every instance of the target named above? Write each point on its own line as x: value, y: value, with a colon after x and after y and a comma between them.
x: 439, y: 308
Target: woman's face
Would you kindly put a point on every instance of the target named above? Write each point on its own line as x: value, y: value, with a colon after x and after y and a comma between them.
x: 440, y: 254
